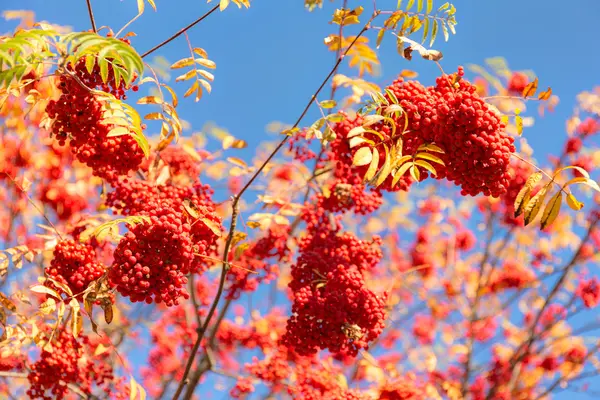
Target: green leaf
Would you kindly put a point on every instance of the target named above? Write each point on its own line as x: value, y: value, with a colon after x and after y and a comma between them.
x: 328, y: 104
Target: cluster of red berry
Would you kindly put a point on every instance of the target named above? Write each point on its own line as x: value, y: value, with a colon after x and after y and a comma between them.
x: 152, y: 260
x: 450, y: 115
x: 192, y: 205
x: 75, y: 265
x: 77, y: 118
x: 332, y: 307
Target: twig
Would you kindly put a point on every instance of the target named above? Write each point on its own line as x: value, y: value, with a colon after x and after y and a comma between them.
x: 180, y: 32
x: 523, y: 348
x: 34, y: 205
x: 473, y: 317
x: 92, y: 20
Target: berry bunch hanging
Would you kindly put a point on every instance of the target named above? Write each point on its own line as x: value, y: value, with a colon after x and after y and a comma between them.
x: 152, y: 260
x: 446, y: 130
x: 74, y: 264
x: 78, y: 119
x: 332, y: 307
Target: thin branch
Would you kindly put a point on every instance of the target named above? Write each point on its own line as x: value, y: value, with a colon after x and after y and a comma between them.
x: 473, y: 317
x: 92, y: 20
x: 232, y: 225
x: 180, y: 32
x: 30, y: 200
x: 523, y: 348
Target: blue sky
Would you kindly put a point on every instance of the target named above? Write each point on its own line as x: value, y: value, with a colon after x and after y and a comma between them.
x: 271, y: 58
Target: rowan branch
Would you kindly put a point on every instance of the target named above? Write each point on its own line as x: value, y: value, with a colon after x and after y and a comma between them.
x: 232, y: 225
x: 92, y: 20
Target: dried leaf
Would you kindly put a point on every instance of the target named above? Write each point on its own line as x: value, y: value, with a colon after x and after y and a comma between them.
x: 545, y: 95
x: 530, y: 89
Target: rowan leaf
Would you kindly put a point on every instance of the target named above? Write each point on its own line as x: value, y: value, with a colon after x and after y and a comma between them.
x: 430, y: 157
x: 328, y: 104
x: 373, y: 166
x: 573, y: 202
x: 530, y: 89
x: 551, y: 210
x: 363, y: 156
x: 415, y: 173
x: 385, y: 171
x: 534, y: 205
x: 524, y: 194
x: 545, y: 95
x: 426, y: 165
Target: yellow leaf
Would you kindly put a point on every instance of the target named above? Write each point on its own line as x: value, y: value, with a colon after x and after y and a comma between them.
x: 386, y: 169
x: 48, y: 306
x: 344, y: 16
x: 195, y: 86
x: 533, y: 207
x: 430, y: 157
x: 328, y: 104
x: 191, y: 208
x: 414, y: 172
x: 524, y: 194
x: 237, y: 161
x: 551, y: 210
x: 188, y: 75
x: 400, y: 172
x: 363, y: 156
x: 426, y: 165
x: 373, y: 166
x: 100, y: 349
x: 573, y: 202
x: 224, y: 4
x: 185, y: 62
x: 431, y: 147
x: 213, y: 226
x: 519, y: 124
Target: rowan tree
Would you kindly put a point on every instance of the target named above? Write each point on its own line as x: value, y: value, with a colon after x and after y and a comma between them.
x: 404, y: 245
